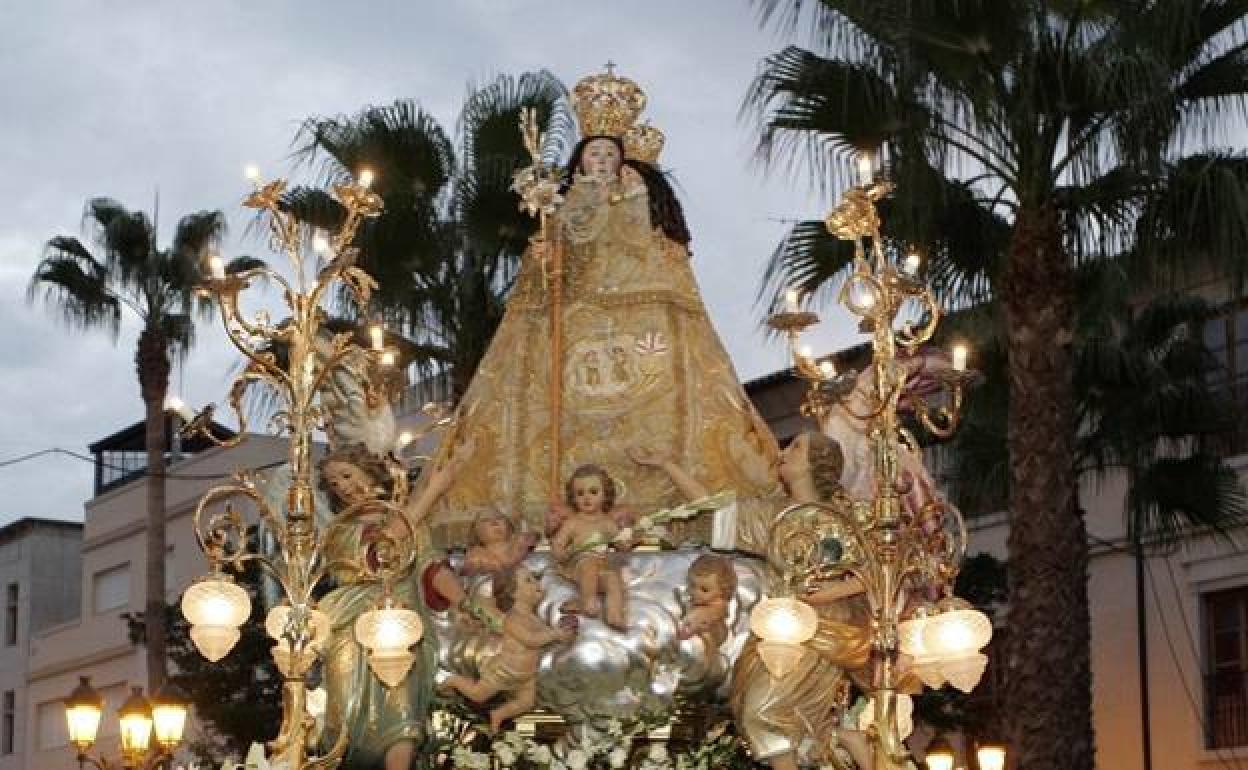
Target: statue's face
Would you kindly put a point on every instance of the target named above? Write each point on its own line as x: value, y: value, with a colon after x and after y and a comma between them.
x: 600, y: 159
x: 349, y: 483
x: 493, y: 530
x: 528, y: 587
x: 795, y: 461
x: 587, y: 492
x: 705, y: 589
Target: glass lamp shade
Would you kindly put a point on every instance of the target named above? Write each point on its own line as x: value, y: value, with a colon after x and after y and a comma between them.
x: 991, y: 757
x: 964, y: 673
x: 910, y: 641
x: 82, y: 714
x: 215, y: 607
x: 861, y: 295
x: 957, y: 633
x: 939, y: 755
x: 951, y: 644
x: 910, y: 636
x: 783, y: 620
x: 779, y: 658
x: 318, y: 625
x: 388, y: 633
x: 169, y: 710
x: 135, y: 718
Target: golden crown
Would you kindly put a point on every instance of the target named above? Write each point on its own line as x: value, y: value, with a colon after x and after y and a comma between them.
x: 606, y: 104
x: 643, y: 142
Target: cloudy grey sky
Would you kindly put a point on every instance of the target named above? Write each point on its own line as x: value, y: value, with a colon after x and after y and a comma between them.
x: 122, y: 98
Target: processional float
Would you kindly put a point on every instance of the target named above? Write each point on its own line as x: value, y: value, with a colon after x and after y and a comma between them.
x: 883, y: 535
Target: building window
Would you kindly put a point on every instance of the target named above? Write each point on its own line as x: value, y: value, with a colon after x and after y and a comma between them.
x: 51, y: 732
x: 1226, y: 338
x: 8, y: 722
x: 10, y: 614
x: 110, y: 588
x: 1226, y: 668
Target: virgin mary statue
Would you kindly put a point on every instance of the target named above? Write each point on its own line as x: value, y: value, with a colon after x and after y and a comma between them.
x: 635, y: 359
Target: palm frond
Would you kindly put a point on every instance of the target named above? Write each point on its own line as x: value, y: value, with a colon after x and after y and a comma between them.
x: 489, y: 121
x: 71, y: 282
x: 127, y: 238
x: 411, y: 155
x: 822, y: 111
x: 1196, y: 221
x: 1175, y: 497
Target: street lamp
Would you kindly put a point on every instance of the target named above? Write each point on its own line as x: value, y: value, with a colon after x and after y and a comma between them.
x: 939, y: 755
x: 990, y: 756
x: 138, y: 719
x: 82, y: 713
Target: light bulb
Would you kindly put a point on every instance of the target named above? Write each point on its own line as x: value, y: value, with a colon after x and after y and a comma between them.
x: 404, y: 439
x: 217, y: 267
x: 790, y: 301
x: 378, y: 336
x: 252, y: 172
x: 805, y: 351
x: 866, y: 169
x: 827, y: 369
x: 959, y: 358
x: 387, y: 358
x: 320, y: 244
x: 366, y: 177
x: 911, y: 263
x: 991, y: 757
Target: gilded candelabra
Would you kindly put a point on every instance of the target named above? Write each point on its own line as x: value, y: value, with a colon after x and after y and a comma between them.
x: 294, y: 358
x: 903, y: 546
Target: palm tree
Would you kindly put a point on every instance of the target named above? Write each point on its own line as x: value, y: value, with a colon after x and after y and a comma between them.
x: 1154, y: 410
x: 132, y: 273
x: 446, y: 248
x: 1027, y: 138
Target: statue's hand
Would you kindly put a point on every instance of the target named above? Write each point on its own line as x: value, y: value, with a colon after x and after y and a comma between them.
x: 556, y: 514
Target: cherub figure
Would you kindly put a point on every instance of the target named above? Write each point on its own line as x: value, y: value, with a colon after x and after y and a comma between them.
x: 582, y: 542
x: 514, y: 669
x: 496, y: 544
x: 712, y: 584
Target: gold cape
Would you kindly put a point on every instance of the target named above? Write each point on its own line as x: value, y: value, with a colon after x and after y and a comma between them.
x: 641, y: 366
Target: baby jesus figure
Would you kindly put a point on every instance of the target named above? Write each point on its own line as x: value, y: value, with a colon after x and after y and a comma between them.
x: 712, y: 584
x: 514, y: 669
x: 582, y: 541
x: 496, y: 544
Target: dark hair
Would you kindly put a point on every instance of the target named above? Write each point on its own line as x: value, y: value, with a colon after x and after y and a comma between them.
x: 665, y: 210
x: 359, y: 456
x: 505, y: 589
x: 827, y: 463
x: 586, y: 471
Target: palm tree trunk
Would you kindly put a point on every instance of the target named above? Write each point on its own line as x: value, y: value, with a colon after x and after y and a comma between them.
x: 152, y: 364
x: 1048, y: 690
